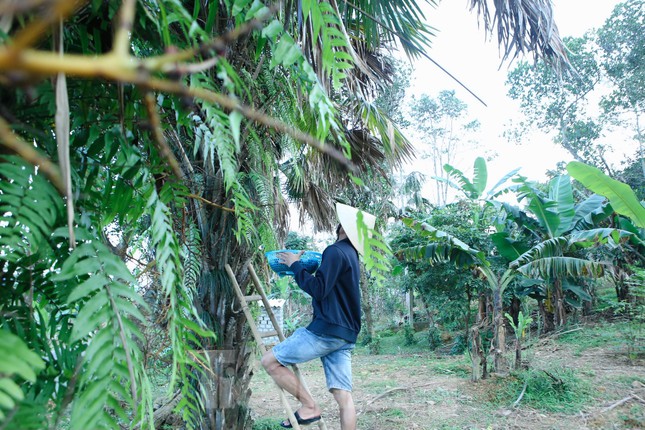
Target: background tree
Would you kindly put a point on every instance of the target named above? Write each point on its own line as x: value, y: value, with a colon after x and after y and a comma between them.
x: 622, y: 56
x: 444, y: 130
x: 605, y: 60
x: 559, y: 104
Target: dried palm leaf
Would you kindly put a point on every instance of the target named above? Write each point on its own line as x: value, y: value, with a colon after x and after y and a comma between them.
x: 525, y: 26
x: 318, y: 206
x: 62, y: 139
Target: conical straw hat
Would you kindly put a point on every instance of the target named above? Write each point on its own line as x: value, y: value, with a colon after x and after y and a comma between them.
x: 348, y: 218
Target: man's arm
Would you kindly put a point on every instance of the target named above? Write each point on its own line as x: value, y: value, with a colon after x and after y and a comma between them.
x: 324, y: 281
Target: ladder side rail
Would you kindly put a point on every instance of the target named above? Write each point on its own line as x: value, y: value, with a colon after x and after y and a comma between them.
x: 265, y: 300
x: 245, y: 308
x: 260, y: 342
x: 260, y: 289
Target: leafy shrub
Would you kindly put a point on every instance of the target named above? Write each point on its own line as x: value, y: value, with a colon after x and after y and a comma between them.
x: 459, y: 345
x: 387, y: 333
x: 267, y: 424
x: 375, y: 346
x: 434, y: 338
x: 556, y: 390
x: 408, y: 335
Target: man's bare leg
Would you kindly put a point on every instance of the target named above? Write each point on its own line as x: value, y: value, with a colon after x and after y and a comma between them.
x: 286, y: 379
x: 346, y: 407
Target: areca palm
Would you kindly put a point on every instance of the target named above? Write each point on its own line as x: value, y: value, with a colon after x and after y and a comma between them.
x: 187, y: 116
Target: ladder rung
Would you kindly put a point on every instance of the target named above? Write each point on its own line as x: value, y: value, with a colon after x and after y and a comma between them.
x: 253, y: 298
x: 269, y: 333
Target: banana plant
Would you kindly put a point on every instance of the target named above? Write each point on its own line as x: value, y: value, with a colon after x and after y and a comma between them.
x: 474, y: 189
x: 445, y: 248
x: 558, y: 228
x: 620, y: 195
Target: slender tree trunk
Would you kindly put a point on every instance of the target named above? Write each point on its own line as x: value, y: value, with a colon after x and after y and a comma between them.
x: 227, y: 385
x: 409, y: 301
x: 518, y: 353
x: 514, y: 310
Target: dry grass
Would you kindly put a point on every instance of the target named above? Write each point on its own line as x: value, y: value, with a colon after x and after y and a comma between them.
x: 424, y: 391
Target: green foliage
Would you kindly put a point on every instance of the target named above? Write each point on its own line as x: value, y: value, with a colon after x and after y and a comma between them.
x: 17, y: 364
x: 620, y: 195
x: 523, y: 322
x: 29, y: 209
x: 622, y: 41
x: 553, y: 102
x: 408, y: 335
x: 184, y: 325
x: 375, y: 347
x: 267, y: 424
x: 434, y: 337
x: 474, y: 189
x: 296, y: 241
x: 459, y: 345
x: 622, y: 337
x: 108, y: 311
x: 634, y: 310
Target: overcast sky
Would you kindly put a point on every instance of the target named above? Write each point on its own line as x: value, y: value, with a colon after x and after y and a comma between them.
x: 461, y: 48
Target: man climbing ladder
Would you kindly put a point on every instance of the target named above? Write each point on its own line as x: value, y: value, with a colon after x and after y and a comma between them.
x: 336, y: 322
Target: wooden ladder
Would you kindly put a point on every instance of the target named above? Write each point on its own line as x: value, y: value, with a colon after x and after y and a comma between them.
x: 259, y: 337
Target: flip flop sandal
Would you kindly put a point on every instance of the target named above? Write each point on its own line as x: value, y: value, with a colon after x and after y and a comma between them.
x: 301, y: 421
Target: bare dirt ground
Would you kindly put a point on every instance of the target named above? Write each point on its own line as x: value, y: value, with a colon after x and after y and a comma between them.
x: 425, y: 391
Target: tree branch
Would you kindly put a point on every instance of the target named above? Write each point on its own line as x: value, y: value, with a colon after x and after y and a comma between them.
x: 31, y: 155
x: 157, y: 134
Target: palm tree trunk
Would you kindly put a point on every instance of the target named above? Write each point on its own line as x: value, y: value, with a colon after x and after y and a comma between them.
x: 227, y: 389
x: 366, y: 303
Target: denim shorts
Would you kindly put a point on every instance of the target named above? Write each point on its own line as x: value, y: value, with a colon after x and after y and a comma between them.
x: 334, y: 352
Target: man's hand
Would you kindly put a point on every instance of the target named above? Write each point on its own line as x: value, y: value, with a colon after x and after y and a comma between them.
x: 289, y: 258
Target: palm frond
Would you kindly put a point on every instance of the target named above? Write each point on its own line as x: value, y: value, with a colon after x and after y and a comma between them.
x: 17, y: 362
x: 318, y: 206
x: 524, y: 26
x: 108, y: 309
x: 185, y: 326
x: 382, y: 23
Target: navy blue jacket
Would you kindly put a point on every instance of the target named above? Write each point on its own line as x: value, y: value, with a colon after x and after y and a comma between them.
x: 335, y: 291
